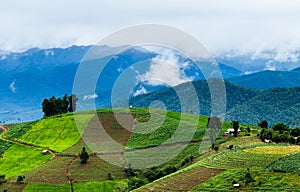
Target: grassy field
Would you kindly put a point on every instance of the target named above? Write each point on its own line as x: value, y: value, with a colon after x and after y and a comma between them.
x: 264, y: 181
x: 19, y: 159
x: 252, y: 157
x: 290, y: 163
x: 56, y: 133
x: 93, y: 186
x: 153, y: 142
x: 18, y: 130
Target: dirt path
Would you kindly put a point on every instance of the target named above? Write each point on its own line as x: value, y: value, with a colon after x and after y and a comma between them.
x: 4, y: 129
x: 52, y: 152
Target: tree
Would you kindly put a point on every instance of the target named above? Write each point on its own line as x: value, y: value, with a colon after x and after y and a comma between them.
x: 276, y: 137
x: 263, y: 124
x: 213, y: 125
x: 281, y: 127
x: 84, y: 156
x: 235, y: 125
x: 72, y: 101
x: 248, y: 177
x: 295, y: 132
x: 248, y: 130
x: 55, y: 106
x: 20, y: 179
x: 216, y: 148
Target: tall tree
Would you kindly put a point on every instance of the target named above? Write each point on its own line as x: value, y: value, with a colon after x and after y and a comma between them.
x: 235, y: 126
x: 72, y: 103
x: 281, y: 127
x: 213, y: 125
x: 55, y: 106
x: 263, y: 124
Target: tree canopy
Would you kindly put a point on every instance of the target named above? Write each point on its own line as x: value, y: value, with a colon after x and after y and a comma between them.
x: 55, y: 106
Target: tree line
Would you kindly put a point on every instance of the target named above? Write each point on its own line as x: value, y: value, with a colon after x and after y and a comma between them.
x: 55, y: 106
x: 279, y: 133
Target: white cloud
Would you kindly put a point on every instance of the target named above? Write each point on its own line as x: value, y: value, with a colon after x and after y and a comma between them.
x: 12, y: 87
x: 165, y: 69
x: 286, y: 56
x: 88, y: 97
x: 232, y: 24
x: 140, y: 91
x: 270, y: 66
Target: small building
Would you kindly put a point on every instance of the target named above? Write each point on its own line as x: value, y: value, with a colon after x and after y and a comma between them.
x: 45, y: 152
x: 230, y: 131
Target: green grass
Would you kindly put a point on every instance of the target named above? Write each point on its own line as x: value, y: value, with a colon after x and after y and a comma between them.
x: 264, y: 181
x: 93, y: 186
x: 4, y: 146
x: 34, y: 187
x: 181, y: 127
x: 56, y: 133
x: 19, y: 159
x: 241, y: 159
x: 55, y: 171
x: 18, y: 130
x: 290, y: 163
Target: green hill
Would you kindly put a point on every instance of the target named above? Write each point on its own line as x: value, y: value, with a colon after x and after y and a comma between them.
x: 23, y: 145
x: 243, y: 104
x: 191, y: 169
x: 269, y: 79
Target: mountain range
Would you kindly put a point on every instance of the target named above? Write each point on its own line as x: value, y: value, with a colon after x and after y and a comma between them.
x: 29, y: 77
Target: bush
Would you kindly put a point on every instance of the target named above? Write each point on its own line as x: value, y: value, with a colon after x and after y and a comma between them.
x: 136, y: 182
x: 110, y: 176
x: 20, y: 179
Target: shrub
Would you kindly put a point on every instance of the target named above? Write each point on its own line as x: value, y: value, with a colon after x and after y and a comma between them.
x: 136, y: 182
x: 110, y: 176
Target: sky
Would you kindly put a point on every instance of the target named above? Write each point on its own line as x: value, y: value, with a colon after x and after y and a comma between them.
x: 220, y: 25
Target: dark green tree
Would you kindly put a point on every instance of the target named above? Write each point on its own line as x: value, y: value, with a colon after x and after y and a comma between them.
x: 263, y: 124
x: 55, y: 106
x: 235, y: 125
x: 20, y: 179
x: 72, y: 103
x: 295, y: 132
x: 84, y: 156
x: 281, y: 127
x: 248, y: 177
x: 213, y: 125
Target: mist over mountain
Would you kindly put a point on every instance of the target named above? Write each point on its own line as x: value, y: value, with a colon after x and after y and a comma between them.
x: 29, y: 77
x: 261, y: 60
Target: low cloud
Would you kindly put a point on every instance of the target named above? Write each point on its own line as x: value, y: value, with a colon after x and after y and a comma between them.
x: 165, y: 69
x: 140, y: 91
x: 88, y: 97
x: 12, y: 86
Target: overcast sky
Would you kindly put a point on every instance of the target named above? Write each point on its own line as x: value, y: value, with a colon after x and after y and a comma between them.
x: 221, y: 25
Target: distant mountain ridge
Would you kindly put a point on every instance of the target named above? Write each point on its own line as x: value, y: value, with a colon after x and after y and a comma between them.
x: 269, y: 79
x: 243, y: 104
x: 28, y: 77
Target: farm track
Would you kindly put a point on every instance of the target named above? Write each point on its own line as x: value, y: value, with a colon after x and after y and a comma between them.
x: 4, y: 129
x: 52, y: 152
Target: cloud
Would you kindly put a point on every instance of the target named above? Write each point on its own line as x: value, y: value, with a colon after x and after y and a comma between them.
x: 12, y: 87
x: 270, y: 66
x: 165, y: 69
x: 88, y: 97
x: 140, y: 91
x: 233, y: 24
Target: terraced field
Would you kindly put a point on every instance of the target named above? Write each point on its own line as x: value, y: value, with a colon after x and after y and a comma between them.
x: 290, y: 163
